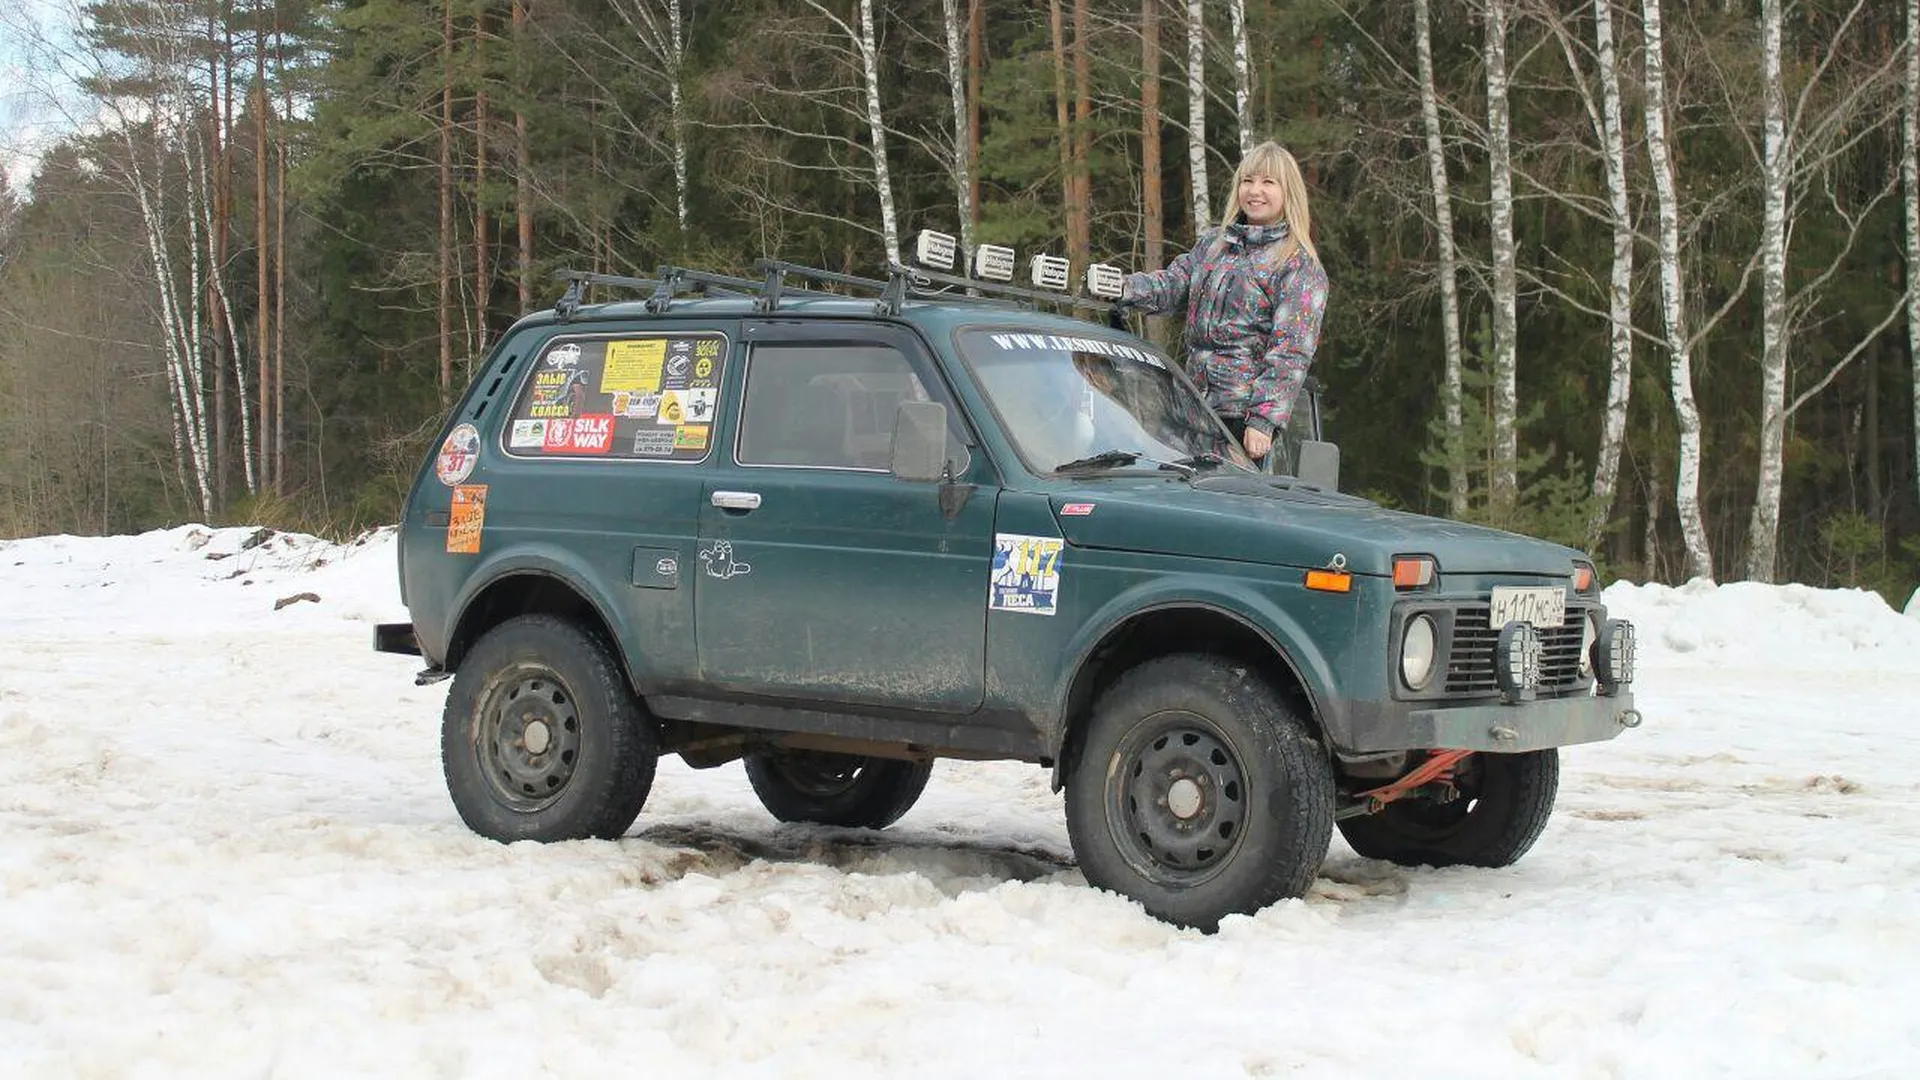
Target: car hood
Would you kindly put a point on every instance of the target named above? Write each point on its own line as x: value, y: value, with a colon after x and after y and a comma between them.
x: 1280, y: 521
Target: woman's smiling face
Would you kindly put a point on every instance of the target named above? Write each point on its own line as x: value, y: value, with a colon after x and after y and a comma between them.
x: 1261, y: 199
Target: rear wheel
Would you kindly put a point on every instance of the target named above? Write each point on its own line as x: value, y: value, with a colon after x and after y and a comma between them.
x: 836, y: 789
x: 542, y: 739
x: 1504, y: 803
x: 1198, y: 792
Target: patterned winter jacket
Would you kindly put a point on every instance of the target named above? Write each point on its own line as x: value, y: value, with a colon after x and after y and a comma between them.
x: 1252, y: 323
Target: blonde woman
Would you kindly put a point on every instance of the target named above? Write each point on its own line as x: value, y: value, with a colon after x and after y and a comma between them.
x: 1254, y: 293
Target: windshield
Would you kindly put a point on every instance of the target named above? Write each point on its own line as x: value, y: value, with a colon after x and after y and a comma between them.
x: 1064, y: 399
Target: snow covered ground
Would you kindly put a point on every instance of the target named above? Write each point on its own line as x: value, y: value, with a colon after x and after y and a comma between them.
x: 225, y: 850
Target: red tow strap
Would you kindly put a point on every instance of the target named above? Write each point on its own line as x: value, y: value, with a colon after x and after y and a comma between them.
x: 1437, y: 767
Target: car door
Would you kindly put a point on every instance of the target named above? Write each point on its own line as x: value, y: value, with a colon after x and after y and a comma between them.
x: 609, y: 441
x: 821, y: 576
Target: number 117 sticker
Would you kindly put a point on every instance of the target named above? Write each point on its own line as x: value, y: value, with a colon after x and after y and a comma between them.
x: 1025, y: 575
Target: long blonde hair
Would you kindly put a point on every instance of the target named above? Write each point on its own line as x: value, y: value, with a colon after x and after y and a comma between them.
x: 1272, y: 159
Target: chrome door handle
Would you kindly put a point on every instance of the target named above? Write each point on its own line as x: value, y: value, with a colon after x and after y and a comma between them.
x: 737, y: 500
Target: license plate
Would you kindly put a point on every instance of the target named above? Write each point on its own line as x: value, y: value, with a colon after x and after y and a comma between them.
x: 1543, y: 606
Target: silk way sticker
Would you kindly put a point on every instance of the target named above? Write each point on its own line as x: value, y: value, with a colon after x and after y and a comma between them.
x: 1025, y: 575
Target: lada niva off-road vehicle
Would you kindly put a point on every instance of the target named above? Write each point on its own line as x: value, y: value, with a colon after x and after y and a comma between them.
x: 840, y: 537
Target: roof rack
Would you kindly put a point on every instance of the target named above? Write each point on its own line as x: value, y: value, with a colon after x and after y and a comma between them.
x: 892, y: 293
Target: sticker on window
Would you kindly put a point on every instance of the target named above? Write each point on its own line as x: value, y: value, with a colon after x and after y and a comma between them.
x: 1025, y: 575
x: 635, y: 397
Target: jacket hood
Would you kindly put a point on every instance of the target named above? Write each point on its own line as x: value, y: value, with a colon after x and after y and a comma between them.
x: 1280, y: 521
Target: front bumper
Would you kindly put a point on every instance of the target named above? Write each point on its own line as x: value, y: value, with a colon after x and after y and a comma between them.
x: 1495, y: 727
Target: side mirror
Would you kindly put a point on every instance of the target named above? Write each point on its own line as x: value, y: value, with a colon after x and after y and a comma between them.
x: 919, y: 440
x: 1319, y: 464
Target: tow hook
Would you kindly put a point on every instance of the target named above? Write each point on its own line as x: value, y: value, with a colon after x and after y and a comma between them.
x: 431, y: 675
x: 1629, y: 718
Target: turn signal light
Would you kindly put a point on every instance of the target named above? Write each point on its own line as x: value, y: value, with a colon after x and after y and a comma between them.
x: 1412, y: 572
x: 1582, y: 577
x: 1330, y: 580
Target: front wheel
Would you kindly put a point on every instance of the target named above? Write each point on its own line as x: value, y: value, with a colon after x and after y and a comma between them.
x: 836, y: 789
x: 542, y: 739
x: 1503, y: 804
x: 1199, y: 793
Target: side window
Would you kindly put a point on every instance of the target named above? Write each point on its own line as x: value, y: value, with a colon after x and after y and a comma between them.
x: 629, y: 396
x: 829, y: 406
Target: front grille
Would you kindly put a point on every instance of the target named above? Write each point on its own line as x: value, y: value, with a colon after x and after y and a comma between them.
x: 1470, y: 654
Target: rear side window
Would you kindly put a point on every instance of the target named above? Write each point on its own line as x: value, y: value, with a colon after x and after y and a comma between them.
x: 650, y: 396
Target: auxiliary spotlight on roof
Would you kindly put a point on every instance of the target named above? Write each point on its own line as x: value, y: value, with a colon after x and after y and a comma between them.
x: 935, y: 250
x: 1050, y: 272
x: 1105, y: 281
x: 991, y: 262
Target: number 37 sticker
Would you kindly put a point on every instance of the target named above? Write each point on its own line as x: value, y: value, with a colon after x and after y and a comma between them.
x: 1026, y: 574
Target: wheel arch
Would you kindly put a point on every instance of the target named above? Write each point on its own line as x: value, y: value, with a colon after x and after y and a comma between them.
x: 1178, y: 626
x: 532, y: 590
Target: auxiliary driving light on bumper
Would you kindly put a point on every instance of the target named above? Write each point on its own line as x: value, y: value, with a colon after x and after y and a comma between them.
x: 1613, y: 656
x: 1516, y: 661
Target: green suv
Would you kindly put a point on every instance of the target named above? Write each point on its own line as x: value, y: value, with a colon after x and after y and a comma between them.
x: 839, y: 537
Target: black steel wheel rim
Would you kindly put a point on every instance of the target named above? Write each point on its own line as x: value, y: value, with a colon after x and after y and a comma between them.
x: 1177, y: 799
x: 529, y: 739
x: 817, y: 774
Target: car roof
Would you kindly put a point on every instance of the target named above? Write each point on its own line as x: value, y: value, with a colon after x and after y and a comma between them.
x: 932, y: 316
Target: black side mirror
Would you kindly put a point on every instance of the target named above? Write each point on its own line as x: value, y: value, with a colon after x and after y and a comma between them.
x: 919, y: 440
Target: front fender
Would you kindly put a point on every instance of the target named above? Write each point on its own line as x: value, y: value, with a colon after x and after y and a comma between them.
x: 1252, y: 606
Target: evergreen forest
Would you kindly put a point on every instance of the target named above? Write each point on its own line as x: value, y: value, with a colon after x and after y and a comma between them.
x: 1635, y: 275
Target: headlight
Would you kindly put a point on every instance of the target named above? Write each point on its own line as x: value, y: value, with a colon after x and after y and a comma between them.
x: 1589, y: 634
x: 1416, y: 652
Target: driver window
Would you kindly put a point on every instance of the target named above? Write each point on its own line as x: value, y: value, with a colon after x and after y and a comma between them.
x: 828, y: 406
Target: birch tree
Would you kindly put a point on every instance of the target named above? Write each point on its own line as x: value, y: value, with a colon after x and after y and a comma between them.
x: 810, y: 65
x: 1242, y: 76
x: 877, y: 130
x: 1197, y: 112
x: 962, y: 159
x: 1506, y: 449
x: 1686, y: 493
x: 663, y: 48
x: 1606, y: 471
x: 1910, y: 174
x: 1449, y: 263
x: 1764, y: 527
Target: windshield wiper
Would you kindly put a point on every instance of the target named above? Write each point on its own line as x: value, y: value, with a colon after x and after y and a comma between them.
x: 1114, y: 459
x: 1202, y: 461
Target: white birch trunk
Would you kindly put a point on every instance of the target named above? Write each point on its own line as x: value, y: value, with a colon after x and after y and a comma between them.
x: 1686, y: 494
x: 1505, y: 288
x: 1763, y: 529
x: 1197, y: 112
x: 1910, y: 173
x: 1242, y: 75
x: 962, y: 159
x: 185, y: 388
x: 1449, y: 264
x: 219, y: 282
x: 678, y: 104
x: 882, y: 179
x: 1606, y: 471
